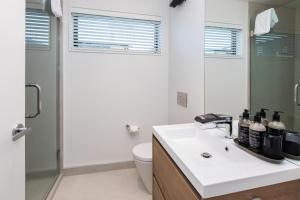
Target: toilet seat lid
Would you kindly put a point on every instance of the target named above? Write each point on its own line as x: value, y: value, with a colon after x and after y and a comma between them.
x: 143, y: 152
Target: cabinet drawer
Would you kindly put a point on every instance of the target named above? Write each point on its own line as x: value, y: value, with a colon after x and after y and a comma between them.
x: 173, y: 184
x: 157, y: 195
x: 283, y: 191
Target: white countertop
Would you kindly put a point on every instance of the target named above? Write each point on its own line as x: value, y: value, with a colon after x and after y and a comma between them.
x: 296, y: 162
x: 227, y: 171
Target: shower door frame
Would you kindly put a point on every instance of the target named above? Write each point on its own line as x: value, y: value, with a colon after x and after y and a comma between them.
x: 59, y: 101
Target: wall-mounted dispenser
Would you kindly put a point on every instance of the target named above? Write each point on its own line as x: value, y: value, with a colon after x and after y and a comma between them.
x: 132, y: 128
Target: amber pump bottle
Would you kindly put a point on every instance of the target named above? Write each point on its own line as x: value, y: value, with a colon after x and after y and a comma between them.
x: 244, y: 124
x: 263, y: 115
x: 276, y: 126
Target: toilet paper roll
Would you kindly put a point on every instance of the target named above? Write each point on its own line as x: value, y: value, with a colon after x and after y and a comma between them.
x: 132, y: 128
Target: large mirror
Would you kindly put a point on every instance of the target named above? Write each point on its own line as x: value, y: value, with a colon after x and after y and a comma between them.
x: 275, y: 64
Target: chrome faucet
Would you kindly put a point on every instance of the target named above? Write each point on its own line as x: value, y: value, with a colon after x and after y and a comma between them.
x: 227, y: 121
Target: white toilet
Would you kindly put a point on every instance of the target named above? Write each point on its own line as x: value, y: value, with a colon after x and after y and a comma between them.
x: 142, y: 154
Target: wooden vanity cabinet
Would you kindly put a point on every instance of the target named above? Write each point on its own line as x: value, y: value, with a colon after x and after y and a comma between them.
x: 169, y: 183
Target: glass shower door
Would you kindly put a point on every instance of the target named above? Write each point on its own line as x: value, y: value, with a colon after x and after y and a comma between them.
x: 297, y: 66
x: 275, y: 66
x: 41, y: 104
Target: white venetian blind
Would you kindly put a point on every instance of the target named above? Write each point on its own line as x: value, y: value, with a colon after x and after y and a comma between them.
x: 37, y: 28
x: 116, y: 33
x: 222, y: 41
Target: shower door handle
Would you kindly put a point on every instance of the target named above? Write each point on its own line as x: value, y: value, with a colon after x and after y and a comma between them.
x: 39, y: 101
x: 296, y: 94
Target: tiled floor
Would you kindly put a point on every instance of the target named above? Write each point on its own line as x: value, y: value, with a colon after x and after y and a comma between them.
x: 112, y: 185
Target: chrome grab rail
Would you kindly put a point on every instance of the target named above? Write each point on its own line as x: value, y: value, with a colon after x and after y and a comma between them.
x: 39, y: 101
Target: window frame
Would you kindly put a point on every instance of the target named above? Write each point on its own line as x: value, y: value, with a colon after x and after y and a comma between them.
x: 35, y: 46
x: 112, y: 14
x: 228, y: 26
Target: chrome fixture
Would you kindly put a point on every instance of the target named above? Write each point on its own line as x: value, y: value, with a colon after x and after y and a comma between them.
x: 206, y: 155
x: 296, y: 94
x: 39, y: 101
x: 19, y: 132
x: 227, y: 122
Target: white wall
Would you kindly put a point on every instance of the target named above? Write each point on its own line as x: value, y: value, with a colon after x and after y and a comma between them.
x: 104, y: 92
x: 226, y: 80
x: 215, y: 85
x: 186, y: 72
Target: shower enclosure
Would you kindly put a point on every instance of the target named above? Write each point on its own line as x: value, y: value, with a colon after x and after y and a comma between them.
x: 275, y: 64
x: 42, y: 107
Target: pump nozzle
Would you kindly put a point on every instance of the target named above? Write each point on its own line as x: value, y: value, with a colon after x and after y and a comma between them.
x: 257, y: 118
x: 276, y: 116
x: 263, y: 113
x: 246, y: 114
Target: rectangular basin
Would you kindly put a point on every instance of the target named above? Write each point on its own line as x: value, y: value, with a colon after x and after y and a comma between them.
x: 228, y: 170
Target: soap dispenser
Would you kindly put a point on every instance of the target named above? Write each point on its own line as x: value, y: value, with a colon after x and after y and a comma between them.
x: 276, y: 126
x: 263, y: 115
x: 256, y: 133
x: 244, y: 124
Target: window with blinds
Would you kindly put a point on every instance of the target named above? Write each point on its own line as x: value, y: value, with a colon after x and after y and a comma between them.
x: 37, y: 28
x: 98, y: 32
x: 221, y: 41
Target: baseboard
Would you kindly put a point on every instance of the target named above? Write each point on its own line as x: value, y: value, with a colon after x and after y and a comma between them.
x: 97, y: 168
x: 54, y: 188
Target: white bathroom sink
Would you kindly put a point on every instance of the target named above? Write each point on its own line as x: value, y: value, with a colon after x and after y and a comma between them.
x: 296, y: 162
x: 228, y: 170
x: 191, y: 143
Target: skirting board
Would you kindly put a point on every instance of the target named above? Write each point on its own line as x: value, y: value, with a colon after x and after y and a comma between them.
x: 97, y: 168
